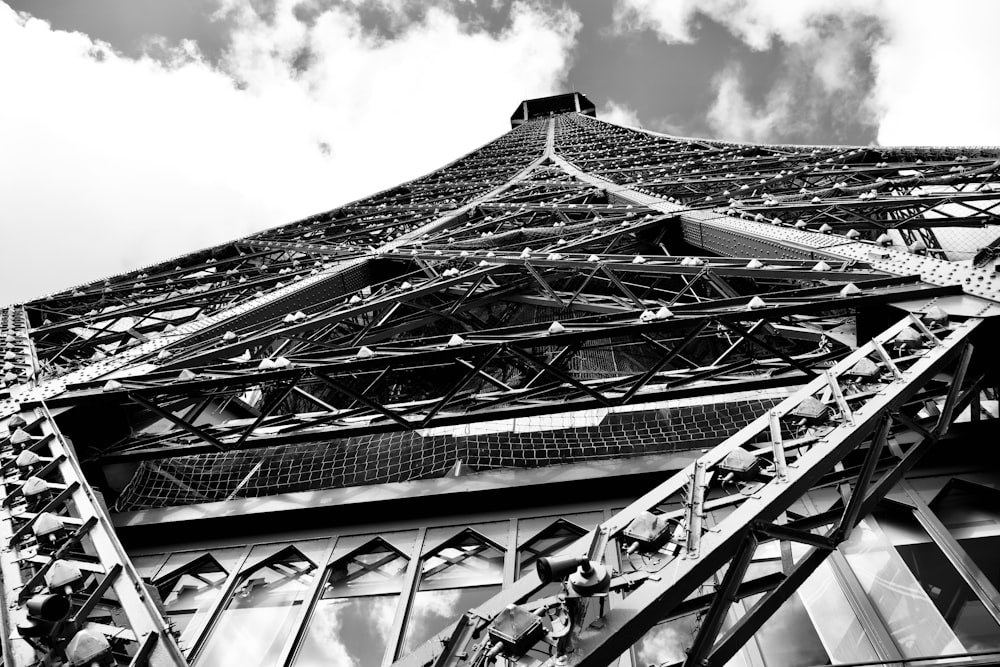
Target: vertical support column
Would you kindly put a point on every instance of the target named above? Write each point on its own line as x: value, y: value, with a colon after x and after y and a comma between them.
x: 406, y: 595
x: 305, y: 611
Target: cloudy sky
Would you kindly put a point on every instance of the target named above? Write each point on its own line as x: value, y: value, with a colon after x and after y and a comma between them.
x: 137, y: 130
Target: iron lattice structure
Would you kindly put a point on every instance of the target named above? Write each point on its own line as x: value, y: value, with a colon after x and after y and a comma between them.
x: 570, y: 265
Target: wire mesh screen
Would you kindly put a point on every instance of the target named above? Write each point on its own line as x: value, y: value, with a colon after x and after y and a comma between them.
x: 399, y: 457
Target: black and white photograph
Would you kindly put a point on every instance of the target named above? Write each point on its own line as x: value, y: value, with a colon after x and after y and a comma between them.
x: 499, y: 333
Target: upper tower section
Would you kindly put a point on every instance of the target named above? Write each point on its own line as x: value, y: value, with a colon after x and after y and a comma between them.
x: 541, y: 107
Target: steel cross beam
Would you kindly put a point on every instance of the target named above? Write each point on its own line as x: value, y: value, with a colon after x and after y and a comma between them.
x: 390, y: 296
x: 799, y: 460
x: 439, y: 351
x: 777, y: 304
x: 134, y: 355
x: 529, y: 178
x: 77, y: 556
x: 726, y: 232
x: 498, y: 269
x: 280, y: 299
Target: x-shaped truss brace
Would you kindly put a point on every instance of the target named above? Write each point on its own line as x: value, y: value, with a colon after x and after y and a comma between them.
x: 817, y: 444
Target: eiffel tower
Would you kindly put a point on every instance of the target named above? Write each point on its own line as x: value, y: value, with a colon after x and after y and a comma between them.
x: 588, y: 395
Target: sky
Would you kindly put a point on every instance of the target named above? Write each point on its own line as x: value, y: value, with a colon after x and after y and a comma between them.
x: 138, y: 130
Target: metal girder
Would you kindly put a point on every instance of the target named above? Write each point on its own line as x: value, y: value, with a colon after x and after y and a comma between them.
x: 621, y: 322
x: 310, y: 428
x: 144, y: 351
x: 578, y: 217
x: 301, y: 286
x: 128, y: 323
x: 338, y: 373
x: 814, y: 453
x: 19, y: 369
x: 503, y: 275
x: 79, y: 562
x: 230, y: 377
x: 709, y: 222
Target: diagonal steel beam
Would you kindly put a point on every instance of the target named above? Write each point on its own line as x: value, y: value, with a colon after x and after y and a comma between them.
x: 664, y: 360
x: 627, y: 621
x: 565, y: 377
x: 361, y: 398
x: 177, y: 421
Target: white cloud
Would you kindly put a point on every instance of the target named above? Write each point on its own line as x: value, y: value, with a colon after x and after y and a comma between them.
x: 932, y: 67
x: 936, y: 73
x: 821, y: 82
x: 669, y: 19
x: 667, y: 642
x: 619, y: 113
x: 108, y: 163
x: 733, y: 117
x: 756, y: 22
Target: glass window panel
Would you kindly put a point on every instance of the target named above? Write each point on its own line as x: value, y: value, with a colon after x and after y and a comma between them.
x: 257, y: 620
x: 401, y: 541
x: 377, y: 570
x: 766, y: 560
x: 816, y: 625
x: 433, y: 611
x: 147, y: 566
x: 227, y: 558
x: 984, y: 553
x: 928, y: 487
x: 348, y: 632
x: 833, y: 618
x: 465, y: 561
x: 788, y: 638
x: 971, y: 514
x: 181, y: 622
x: 528, y: 528
x: 742, y: 657
x: 551, y: 540
x: 821, y: 499
x: 311, y: 549
x: 496, y: 532
x: 194, y: 586
x: 458, y: 575
x: 927, y: 606
x: 968, y: 510
x: 667, y: 642
x: 191, y: 583
x: 351, y: 621
x: 954, y: 599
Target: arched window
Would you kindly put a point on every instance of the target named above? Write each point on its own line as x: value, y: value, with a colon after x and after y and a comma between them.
x: 550, y: 540
x: 352, y: 620
x: 190, y: 584
x: 461, y: 573
x: 260, y: 613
